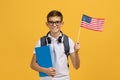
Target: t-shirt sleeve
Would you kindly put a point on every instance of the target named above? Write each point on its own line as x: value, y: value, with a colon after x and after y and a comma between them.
x: 37, y: 45
x: 71, y: 44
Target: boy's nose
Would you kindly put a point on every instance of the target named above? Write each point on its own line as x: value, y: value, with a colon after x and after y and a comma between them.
x: 54, y: 24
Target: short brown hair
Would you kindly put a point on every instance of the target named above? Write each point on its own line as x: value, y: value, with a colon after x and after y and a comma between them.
x: 55, y: 13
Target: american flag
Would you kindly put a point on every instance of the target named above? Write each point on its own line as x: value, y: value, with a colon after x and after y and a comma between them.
x: 92, y: 23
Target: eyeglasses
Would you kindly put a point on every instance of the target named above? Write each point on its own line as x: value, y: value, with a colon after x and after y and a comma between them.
x: 52, y: 22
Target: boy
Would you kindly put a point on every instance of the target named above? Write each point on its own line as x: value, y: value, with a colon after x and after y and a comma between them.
x: 55, y: 37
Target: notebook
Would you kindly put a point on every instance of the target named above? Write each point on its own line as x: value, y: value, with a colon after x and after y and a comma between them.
x: 43, y: 57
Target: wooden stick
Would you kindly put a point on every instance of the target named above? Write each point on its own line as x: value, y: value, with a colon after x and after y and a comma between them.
x: 78, y: 34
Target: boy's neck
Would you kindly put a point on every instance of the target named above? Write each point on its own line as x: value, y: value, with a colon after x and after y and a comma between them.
x: 55, y: 35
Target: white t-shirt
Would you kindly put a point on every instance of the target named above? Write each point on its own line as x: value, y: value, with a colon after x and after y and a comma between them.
x: 59, y: 58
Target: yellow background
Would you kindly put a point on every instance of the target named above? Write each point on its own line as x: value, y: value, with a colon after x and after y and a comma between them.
x: 22, y: 23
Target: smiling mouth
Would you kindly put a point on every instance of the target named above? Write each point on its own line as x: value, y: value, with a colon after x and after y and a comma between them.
x: 54, y: 28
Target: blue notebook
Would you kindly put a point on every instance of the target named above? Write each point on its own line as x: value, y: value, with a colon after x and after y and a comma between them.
x: 43, y: 57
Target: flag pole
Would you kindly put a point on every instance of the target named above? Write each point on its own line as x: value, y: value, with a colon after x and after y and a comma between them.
x: 78, y: 34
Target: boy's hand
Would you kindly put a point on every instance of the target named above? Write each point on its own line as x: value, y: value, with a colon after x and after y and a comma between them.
x: 50, y: 71
x: 77, y: 47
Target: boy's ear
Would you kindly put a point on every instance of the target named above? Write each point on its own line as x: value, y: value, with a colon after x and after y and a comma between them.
x: 62, y: 23
x: 46, y: 23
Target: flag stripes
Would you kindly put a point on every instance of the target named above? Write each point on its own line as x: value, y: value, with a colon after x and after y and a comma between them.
x: 92, y: 23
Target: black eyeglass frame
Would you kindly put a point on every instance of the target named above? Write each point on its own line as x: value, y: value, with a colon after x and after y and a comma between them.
x: 54, y: 22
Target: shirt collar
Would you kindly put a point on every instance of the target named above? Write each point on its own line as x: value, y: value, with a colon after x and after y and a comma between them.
x: 55, y: 38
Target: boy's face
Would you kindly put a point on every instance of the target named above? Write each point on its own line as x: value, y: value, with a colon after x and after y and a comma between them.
x: 54, y: 23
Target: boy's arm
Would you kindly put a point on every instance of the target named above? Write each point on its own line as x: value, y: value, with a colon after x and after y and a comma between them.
x: 75, y: 57
x: 36, y: 67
